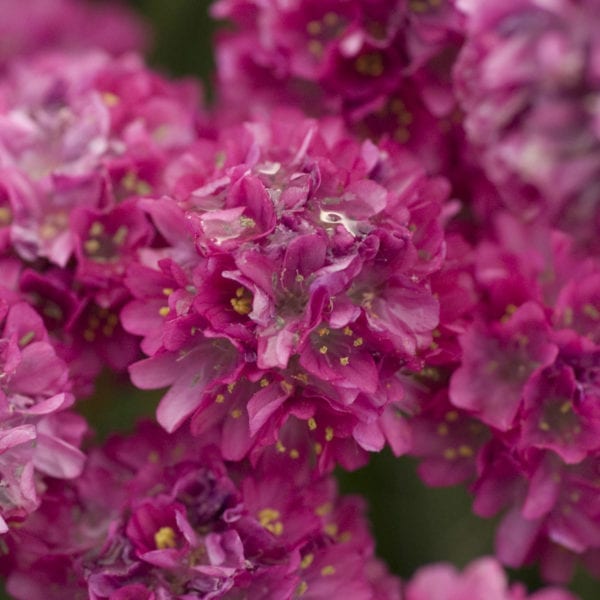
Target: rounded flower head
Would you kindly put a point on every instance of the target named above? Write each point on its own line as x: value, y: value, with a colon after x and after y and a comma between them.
x: 385, y: 66
x: 182, y: 524
x: 527, y: 79
x: 483, y: 579
x: 296, y: 281
x: 73, y: 25
x: 82, y: 139
x: 36, y: 436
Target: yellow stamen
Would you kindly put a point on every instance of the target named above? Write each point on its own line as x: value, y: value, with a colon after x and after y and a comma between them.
x: 465, y: 451
x: 91, y: 246
x: 370, y: 64
x: 313, y: 28
x: 5, y: 215
x: 96, y: 229
x: 110, y: 99
x: 165, y: 538
x: 268, y: 518
x: 307, y: 561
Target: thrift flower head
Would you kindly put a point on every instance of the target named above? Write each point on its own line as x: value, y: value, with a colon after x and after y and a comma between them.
x: 34, y: 26
x: 81, y: 139
x: 527, y: 79
x: 295, y: 282
x: 384, y: 65
x: 179, y: 523
x: 515, y: 411
x: 483, y: 579
x: 36, y: 436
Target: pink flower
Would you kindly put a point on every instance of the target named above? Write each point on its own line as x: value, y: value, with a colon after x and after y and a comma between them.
x: 36, y: 26
x: 181, y: 523
x: 36, y: 437
x: 523, y: 77
x: 498, y: 361
x: 384, y: 65
x: 483, y: 579
x: 294, y: 280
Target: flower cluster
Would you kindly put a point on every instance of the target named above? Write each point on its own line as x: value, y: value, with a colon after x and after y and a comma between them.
x: 517, y: 413
x: 80, y: 139
x: 481, y: 580
x: 31, y: 26
x: 384, y: 65
x: 294, y: 286
x: 328, y: 268
x: 528, y: 82
x: 36, y: 435
x: 180, y: 523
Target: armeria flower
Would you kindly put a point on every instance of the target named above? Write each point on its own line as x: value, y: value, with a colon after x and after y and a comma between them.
x: 182, y: 524
x: 483, y: 579
x: 497, y: 363
x: 72, y: 25
x: 82, y: 139
x: 91, y: 132
x: 36, y: 436
x: 528, y: 83
x: 512, y: 409
x: 307, y: 289
x: 384, y: 65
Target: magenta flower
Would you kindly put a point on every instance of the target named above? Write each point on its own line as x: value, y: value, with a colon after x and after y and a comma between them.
x: 498, y: 361
x: 483, y: 579
x: 36, y: 436
x: 526, y: 78
x: 384, y: 65
x: 182, y: 524
x: 303, y: 288
x: 72, y: 25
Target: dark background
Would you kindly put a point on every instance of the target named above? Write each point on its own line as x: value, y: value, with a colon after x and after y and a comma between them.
x: 413, y: 525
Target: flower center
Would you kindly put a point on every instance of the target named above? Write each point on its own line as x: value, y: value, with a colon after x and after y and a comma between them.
x: 165, y: 538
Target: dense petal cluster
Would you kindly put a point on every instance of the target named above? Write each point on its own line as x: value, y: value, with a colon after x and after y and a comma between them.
x: 515, y: 409
x: 36, y: 436
x: 303, y: 289
x: 384, y: 65
x: 295, y: 283
x: 30, y: 26
x: 180, y: 523
x: 81, y: 138
x: 483, y: 579
x: 528, y: 81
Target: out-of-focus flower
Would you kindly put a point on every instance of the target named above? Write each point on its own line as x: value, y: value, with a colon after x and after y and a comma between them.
x: 483, y: 579
x: 82, y: 138
x: 179, y: 523
x: 528, y: 81
x: 36, y: 436
x: 32, y: 26
x: 384, y: 65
